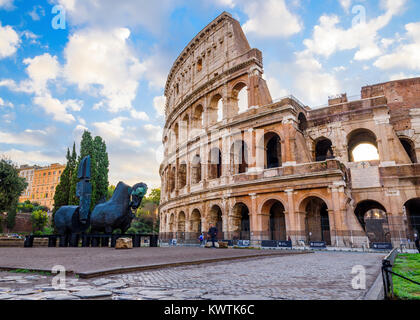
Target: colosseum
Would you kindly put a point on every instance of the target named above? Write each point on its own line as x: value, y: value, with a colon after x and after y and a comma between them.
x: 264, y: 170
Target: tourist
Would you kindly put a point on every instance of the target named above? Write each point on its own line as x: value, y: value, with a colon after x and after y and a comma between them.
x: 201, y: 238
x: 213, y: 234
x: 417, y: 242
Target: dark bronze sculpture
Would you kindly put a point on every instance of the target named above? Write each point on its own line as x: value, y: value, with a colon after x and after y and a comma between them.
x: 75, y: 219
x: 116, y: 213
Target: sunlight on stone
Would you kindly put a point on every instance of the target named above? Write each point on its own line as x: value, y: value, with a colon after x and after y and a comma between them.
x: 365, y: 152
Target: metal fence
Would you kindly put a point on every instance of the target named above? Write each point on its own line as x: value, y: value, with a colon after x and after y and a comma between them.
x: 387, y: 264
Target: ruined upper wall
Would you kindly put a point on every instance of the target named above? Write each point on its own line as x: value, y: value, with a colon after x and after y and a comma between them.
x: 217, y: 48
x: 402, y: 96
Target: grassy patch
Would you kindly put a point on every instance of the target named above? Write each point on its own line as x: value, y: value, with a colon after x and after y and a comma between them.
x: 44, y: 273
x: 407, y: 265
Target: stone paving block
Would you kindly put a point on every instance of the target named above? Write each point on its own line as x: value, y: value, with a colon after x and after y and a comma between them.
x: 92, y: 294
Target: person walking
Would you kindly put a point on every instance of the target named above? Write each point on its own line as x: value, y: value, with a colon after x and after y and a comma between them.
x: 201, y: 238
x: 213, y: 234
x: 417, y: 242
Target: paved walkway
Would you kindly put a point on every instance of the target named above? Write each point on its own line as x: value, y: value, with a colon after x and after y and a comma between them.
x: 321, y: 275
x: 90, y: 261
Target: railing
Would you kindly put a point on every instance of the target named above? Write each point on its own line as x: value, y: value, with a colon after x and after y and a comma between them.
x: 387, y: 264
x: 91, y: 240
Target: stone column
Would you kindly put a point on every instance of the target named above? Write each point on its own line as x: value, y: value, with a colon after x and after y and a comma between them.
x: 253, y: 217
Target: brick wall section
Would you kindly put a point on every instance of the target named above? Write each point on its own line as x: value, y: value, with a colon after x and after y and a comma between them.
x: 402, y: 95
x: 23, y: 224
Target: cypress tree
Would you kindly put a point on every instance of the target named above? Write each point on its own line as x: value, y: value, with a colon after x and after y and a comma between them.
x: 102, y: 164
x: 99, y: 165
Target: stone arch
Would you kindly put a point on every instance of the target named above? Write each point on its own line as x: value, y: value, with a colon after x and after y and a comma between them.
x: 272, y: 150
x: 240, y: 97
x: 215, y: 164
x: 196, y: 176
x: 185, y: 128
x: 182, y: 175
x: 215, y: 113
x: 360, y: 137
x: 412, y: 210
x: 323, y: 149
x: 239, y: 157
x: 172, y: 226
x: 198, y: 117
x: 216, y: 218
x: 274, y: 217
x: 302, y: 122
x: 317, y: 224
x: 195, y: 223
x: 172, y: 174
x: 372, y: 216
x: 409, y: 147
x: 181, y: 225
x: 239, y: 221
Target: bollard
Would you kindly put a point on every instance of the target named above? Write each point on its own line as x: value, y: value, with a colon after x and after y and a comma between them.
x: 154, y: 241
x: 137, y: 241
x: 29, y: 242
x: 105, y: 242
x: 52, y: 241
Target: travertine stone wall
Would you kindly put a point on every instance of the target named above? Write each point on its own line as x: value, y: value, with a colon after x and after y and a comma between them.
x: 235, y: 168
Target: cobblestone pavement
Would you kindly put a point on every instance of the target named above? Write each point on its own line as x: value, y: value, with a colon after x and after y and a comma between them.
x: 321, y: 275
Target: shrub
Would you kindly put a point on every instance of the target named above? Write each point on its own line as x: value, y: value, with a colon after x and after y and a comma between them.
x: 39, y: 220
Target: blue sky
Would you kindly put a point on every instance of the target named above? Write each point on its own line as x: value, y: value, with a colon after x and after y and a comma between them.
x: 106, y: 70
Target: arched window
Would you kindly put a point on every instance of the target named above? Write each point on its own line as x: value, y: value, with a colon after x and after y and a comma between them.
x: 172, y: 173
x: 185, y: 123
x: 215, y: 113
x: 272, y: 147
x: 240, y: 97
x: 216, y: 219
x: 182, y: 175
x: 303, y: 123
x: 323, y: 149
x: 409, y: 148
x: 362, y: 146
x: 273, y: 212
x: 412, y: 210
x: 215, y: 164
x: 196, y: 169
x: 239, y: 157
x: 199, y: 65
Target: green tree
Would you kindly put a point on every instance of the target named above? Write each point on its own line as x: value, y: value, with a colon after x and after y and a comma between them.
x: 110, y: 192
x: 11, y: 187
x: 101, y: 171
x: 62, y: 191
x: 39, y: 219
x: 99, y: 165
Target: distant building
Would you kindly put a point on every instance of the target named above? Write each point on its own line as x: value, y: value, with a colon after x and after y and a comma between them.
x: 42, y: 182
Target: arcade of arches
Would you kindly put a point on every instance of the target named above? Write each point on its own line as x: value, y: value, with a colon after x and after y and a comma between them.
x: 260, y: 168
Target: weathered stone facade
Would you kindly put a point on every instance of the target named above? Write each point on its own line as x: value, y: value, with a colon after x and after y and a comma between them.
x: 280, y: 170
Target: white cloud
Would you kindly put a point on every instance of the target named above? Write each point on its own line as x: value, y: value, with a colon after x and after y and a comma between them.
x: 9, y: 41
x: 5, y: 103
x: 139, y: 115
x: 32, y: 157
x: 345, y: 4
x: 329, y: 38
x: 40, y: 70
x: 406, y: 55
x: 275, y: 88
x: 37, y: 12
x: 56, y: 108
x: 270, y: 18
x: 155, y: 132
x: 106, y: 14
x: 159, y: 104
x: 98, y: 58
x: 402, y: 75
x: 7, y: 4
x: 28, y: 137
